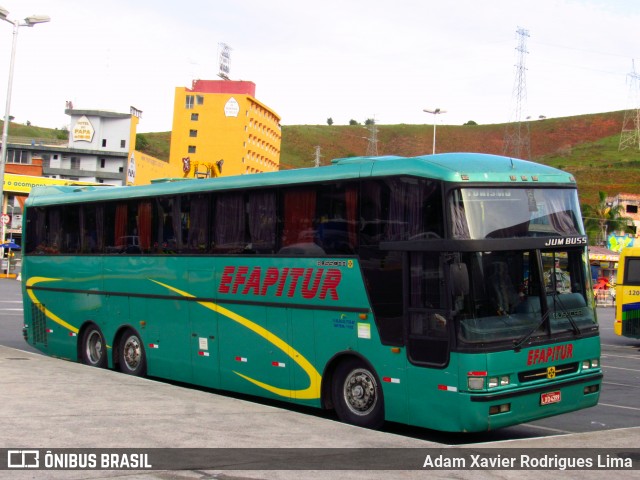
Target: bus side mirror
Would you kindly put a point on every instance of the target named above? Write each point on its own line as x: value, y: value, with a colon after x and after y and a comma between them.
x: 459, y: 279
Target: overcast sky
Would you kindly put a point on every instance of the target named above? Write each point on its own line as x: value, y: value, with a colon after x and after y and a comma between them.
x: 311, y: 60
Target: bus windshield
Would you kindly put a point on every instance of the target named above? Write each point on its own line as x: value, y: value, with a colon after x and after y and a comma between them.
x: 514, y: 296
x: 478, y: 213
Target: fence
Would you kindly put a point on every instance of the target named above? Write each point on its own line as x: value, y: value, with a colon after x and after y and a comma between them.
x: 605, y: 298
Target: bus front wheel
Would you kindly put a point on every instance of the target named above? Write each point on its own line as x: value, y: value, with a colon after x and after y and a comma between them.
x: 93, y: 350
x: 357, y: 395
x: 132, y: 356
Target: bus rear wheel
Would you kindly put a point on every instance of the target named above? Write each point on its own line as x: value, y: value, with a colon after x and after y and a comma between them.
x: 132, y: 359
x: 357, y: 395
x: 93, y: 349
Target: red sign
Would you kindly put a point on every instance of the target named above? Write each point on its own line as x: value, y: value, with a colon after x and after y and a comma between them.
x: 550, y: 397
x: 550, y: 354
x: 293, y: 282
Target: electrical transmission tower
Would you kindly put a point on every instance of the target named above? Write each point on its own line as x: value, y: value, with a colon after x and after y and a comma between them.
x: 516, y: 137
x: 316, y: 162
x: 630, y: 135
x: 372, y: 146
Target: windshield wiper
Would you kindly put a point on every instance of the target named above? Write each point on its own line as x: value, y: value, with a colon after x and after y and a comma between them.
x: 523, y: 340
x: 574, y: 325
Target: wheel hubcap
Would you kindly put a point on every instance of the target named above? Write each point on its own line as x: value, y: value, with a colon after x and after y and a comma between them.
x: 360, y: 392
x: 132, y: 352
x: 94, y: 347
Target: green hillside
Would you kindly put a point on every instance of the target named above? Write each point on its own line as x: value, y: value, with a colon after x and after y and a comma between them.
x: 18, y: 130
x: 585, y: 145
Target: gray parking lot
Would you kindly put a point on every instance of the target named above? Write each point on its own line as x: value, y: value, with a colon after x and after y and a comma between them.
x: 46, y: 403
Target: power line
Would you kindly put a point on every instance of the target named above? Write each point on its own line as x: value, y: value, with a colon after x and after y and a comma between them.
x: 580, y: 49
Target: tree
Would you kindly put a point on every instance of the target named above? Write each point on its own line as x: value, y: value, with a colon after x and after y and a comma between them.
x: 329, y: 121
x: 353, y: 122
x: 62, y: 134
x: 470, y: 122
x: 603, y: 218
x: 370, y: 121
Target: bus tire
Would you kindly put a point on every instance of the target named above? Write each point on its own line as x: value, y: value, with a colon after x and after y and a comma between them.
x: 357, y: 395
x: 93, y: 348
x: 132, y: 358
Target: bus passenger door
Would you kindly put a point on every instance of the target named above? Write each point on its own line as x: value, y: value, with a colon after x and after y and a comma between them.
x: 428, y: 338
x: 428, y: 329
x: 204, y: 340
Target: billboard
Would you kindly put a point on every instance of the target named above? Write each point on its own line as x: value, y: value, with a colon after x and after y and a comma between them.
x: 24, y: 183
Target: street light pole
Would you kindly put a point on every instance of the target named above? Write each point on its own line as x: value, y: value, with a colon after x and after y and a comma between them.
x: 28, y: 22
x: 435, y: 112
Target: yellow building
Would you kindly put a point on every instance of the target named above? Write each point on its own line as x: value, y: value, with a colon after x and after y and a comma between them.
x: 219, y: 128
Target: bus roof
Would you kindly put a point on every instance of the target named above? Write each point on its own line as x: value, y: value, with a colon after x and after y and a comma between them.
x: 449, y: 167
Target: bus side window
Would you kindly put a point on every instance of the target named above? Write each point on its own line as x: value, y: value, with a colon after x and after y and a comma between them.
x: 374, y: 203
x: 262, y: 221
x: 121, y: 228
x: 169, y: 231
x: 198, y: 222
x: 299, y: 211
x: 91, y: 222
x: 229, y: 223
x: 337, y: 218
x: 36, y: 231
x: 415, y: 210
x: 54, y: 235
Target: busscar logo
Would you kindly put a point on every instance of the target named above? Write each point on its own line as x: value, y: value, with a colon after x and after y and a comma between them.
x: 23, y: 459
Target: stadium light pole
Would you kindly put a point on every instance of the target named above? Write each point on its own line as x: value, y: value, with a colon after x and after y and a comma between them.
x: 435, y: 113
x: 30, y: 21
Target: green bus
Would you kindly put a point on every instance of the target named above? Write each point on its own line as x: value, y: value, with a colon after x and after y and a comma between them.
x: 418, y: 290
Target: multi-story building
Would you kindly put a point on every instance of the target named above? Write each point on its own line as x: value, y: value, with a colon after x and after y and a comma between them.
x: 630, y: 203
x: 220, y: 128
x: 100, y: 149
x: 217, y: 126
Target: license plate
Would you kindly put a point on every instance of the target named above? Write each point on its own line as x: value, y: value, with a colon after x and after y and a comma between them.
x: 550, y: 397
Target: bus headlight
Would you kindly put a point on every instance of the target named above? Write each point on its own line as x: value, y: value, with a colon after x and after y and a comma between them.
x: 499, y: 381
x: 588, y: 364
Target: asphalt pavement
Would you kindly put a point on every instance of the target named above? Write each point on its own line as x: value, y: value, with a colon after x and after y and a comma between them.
x: 70, y: 410
x: 49, y: 404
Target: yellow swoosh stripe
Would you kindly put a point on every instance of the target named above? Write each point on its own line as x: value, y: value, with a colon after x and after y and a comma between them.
x: 311, y: 392
x: 32, y: 281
